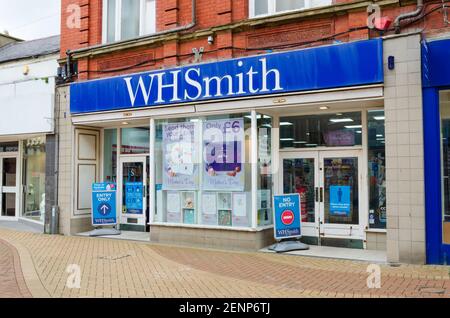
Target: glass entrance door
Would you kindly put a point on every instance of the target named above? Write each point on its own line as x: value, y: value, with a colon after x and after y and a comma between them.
x: 134, y: 190
x: 300, y: 174
x: 329, y: 184
x: 8, y: 186
x: 340, y: 195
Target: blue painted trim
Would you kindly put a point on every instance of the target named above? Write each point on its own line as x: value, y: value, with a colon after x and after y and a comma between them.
x: 432, y: 171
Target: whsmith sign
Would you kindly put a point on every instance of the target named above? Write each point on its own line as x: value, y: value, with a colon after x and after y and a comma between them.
x: 340, y: 65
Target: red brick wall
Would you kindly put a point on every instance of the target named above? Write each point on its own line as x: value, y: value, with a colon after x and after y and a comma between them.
x: 227, y: 43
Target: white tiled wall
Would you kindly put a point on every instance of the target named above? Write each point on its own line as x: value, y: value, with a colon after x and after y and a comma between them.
x: 404, y: 151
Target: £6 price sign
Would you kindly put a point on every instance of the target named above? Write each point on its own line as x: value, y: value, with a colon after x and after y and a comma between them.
x: 287, y: 216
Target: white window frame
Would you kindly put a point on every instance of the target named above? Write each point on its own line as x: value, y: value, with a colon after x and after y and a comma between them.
x: 272, y: 8
x: 118, y: 18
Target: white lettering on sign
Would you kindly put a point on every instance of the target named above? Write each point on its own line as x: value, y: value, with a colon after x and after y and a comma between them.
x: 197, y: 87
x: 287, y: 203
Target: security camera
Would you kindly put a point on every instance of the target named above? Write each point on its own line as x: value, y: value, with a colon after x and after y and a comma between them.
x: 210, y: 40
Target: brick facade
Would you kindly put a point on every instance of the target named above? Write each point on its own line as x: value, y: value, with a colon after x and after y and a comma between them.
x: 234, y: 33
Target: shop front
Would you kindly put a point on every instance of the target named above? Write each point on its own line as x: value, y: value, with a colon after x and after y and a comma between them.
x: 198, y: 152
x: 436, y: 100
x: 27, y: 98
x: 22, y: 183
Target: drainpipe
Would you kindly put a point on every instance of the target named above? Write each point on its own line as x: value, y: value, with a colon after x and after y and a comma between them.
x: 408, y: 15
x: 68, y: 65
x: 177, y: 29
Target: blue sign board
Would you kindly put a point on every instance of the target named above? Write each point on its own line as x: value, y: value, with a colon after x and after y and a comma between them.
x: 339, y: 65
x: 104, y: 204
x: 287, y: 216
x: 134, y: 197
x: 340, y: 200
x: 435, y: 63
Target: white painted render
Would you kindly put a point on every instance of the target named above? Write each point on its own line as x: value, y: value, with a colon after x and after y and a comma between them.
x: 27, y: 101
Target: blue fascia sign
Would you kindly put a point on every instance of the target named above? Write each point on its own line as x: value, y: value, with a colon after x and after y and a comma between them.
x: 104, y: 204
x: 340, y: 204
x: 435, y: 63
x: 287, y: 217
x: 333, y: 66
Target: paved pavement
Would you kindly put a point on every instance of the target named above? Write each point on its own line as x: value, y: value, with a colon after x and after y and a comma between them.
x: 12, y: 283
x: 114, y: 268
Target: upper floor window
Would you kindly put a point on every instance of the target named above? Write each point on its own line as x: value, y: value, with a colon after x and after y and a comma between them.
x: 127, y: 19
x: 268, y: 7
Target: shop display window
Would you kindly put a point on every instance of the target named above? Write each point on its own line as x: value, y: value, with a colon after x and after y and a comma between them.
x: 328, y: 130
x: 34, y: 178
x: 203, y: 171
x: 377, y: 169
x: 264, y: 198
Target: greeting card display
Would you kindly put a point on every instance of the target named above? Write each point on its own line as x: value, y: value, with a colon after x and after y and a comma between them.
x: 224, y: 155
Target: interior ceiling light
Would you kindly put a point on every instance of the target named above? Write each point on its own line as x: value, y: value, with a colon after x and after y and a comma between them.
x: 353, y: 126
x: 341, y: 120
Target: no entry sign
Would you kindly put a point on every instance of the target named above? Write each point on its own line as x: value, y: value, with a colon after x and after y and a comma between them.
x: 287, y: 216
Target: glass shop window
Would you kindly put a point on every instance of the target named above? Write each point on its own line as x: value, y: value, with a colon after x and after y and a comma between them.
x: 377, y: 169
x: 203, y: 171
x: 265, y: 216
x: 328, y: 130
x: 444, y: 103
x: 34, y: 178
x: 135, y: 141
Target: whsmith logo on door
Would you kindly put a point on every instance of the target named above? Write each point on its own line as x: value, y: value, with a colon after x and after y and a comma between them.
x: 357, y: 63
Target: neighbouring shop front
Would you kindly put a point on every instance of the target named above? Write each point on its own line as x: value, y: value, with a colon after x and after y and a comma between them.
x: 436, y: 100
x: 22, y: 188
x: 27, y: 131
x: 198, y: 152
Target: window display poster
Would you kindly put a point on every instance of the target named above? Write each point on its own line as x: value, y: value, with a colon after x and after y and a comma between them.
x: 224, y: 218
x: 240, y: 209
x: 340, y: 201
x: 179, y: 156
x: 224, y: 154
x: 173, y: 207
x: 209, y: 209
x: 134, y: 197
x: 209, y: 205
x: 189, y: 216
x: 339, y: 138
x: 239, y: 204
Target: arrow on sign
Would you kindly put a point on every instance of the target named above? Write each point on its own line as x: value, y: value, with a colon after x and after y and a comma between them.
x: 104, y: 208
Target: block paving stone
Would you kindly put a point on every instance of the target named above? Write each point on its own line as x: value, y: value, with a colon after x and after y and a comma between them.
x: 115, y: 268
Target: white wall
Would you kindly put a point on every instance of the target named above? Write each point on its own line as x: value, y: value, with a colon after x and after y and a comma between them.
x: 27, y: 101
x: 404, y: 151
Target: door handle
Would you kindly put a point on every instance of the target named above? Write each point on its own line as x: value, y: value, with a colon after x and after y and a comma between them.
x: 321, y: 194
x: 316, y: 194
